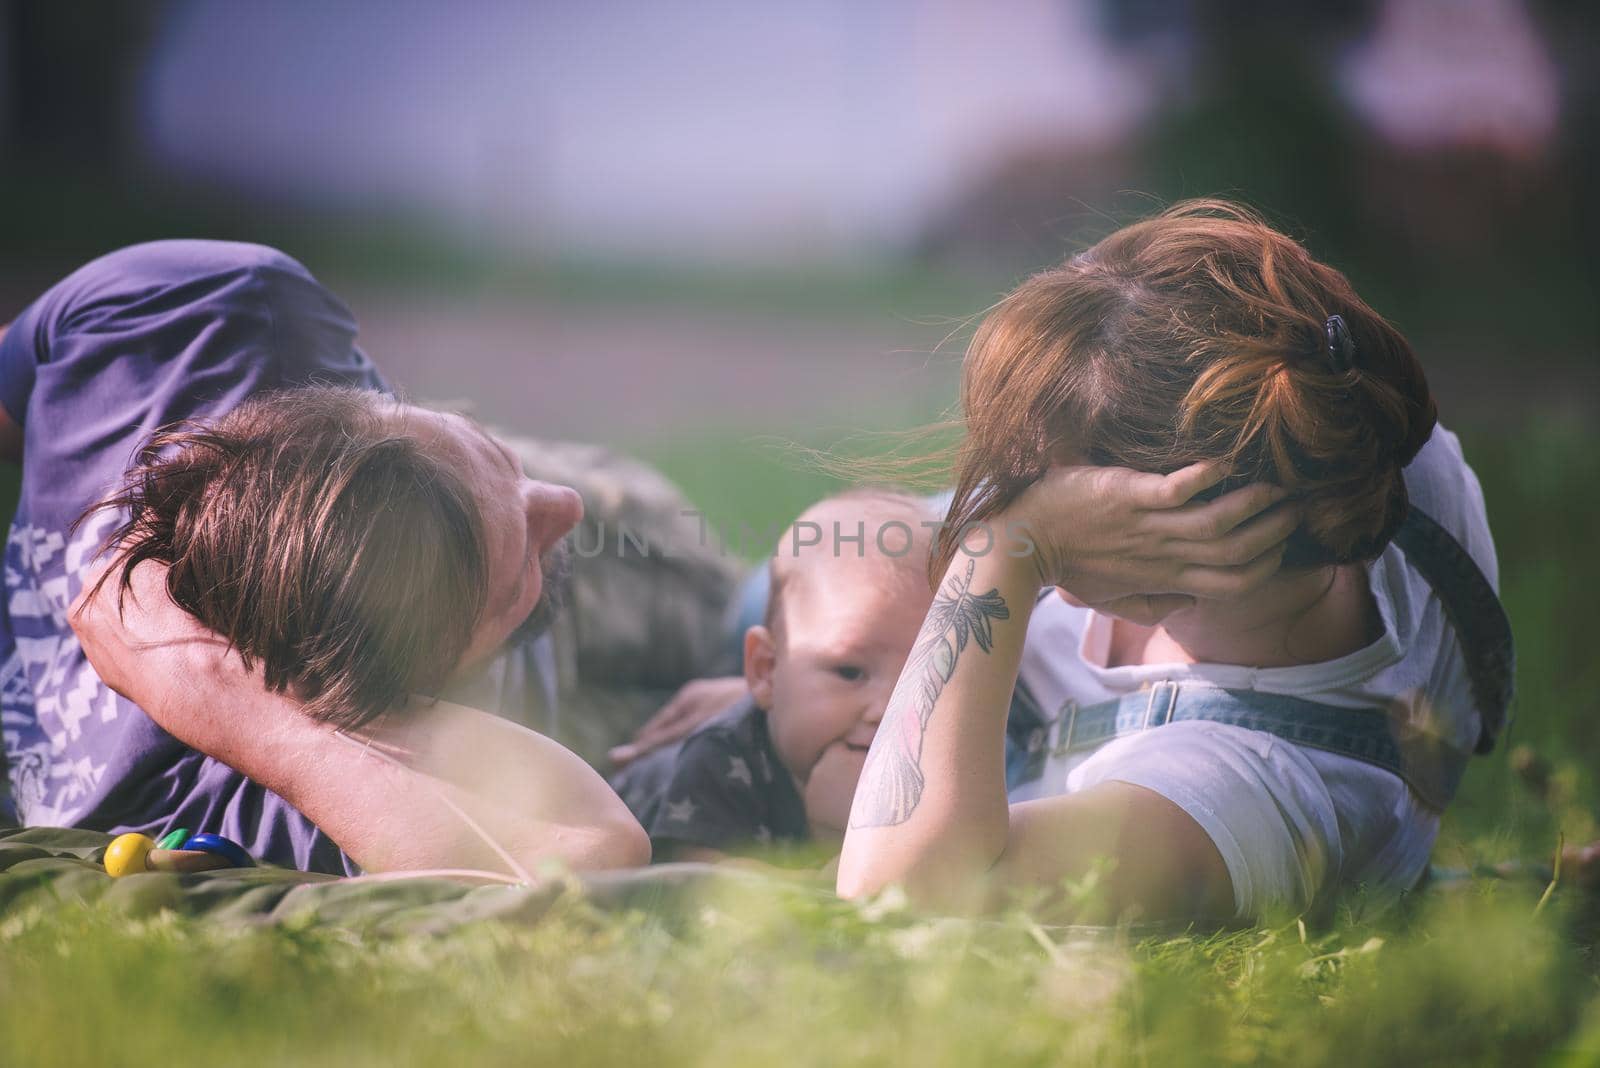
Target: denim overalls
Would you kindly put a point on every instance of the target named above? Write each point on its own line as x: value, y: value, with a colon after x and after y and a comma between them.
x: 1431, y: 768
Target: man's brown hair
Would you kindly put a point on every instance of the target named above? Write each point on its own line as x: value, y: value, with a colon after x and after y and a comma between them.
x: 1197, y: 334
x: 315, y: 535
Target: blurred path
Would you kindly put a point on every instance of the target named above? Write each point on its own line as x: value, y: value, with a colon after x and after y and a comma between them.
x: 629, y: 373
x: 619, y: 372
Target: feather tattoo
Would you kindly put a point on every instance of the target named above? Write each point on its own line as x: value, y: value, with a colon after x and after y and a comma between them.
x: 891, y: 780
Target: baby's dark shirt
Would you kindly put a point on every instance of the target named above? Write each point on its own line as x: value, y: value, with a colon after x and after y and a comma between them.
x: 727, y: 791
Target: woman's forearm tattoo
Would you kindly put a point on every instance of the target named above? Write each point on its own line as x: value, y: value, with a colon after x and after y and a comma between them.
x: 891, y: 780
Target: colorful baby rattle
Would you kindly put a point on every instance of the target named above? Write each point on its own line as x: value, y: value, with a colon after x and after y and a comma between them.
x: 129, y: 854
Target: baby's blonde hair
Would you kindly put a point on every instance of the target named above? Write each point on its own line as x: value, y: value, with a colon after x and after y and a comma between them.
x: 907, y: 554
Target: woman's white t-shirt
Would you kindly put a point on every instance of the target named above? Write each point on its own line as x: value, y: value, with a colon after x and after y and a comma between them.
x: 1292, y: 823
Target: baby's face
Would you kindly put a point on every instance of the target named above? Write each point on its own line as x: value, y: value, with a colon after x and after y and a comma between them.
x: 847, y: 626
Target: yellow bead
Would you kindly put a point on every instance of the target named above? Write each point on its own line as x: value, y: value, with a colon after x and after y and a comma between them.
x: 126, y: 854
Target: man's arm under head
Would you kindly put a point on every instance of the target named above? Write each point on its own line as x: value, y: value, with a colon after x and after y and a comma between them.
x: 427, y: 785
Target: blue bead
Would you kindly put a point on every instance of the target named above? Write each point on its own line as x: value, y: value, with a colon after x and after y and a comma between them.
x: 223, y: 847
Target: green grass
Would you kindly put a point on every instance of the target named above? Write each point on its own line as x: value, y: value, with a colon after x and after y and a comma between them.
x: 1473, y: 977
x: 1472, y: 974
x: 761, y: 482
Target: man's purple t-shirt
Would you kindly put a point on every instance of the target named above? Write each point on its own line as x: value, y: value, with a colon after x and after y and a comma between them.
x: 141, y: 338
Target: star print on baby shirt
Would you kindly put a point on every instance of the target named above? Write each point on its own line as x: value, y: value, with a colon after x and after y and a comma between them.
x: 681, y: 811
x: 728, y: 790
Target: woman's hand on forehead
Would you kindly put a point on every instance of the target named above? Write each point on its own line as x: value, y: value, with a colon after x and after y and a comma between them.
x: 1106, y: 533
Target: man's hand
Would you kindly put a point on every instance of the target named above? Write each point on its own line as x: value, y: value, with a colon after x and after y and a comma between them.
x: 693, y: 704
x: 140, y: 643
x: 184, y: 676
x: 1139, y: 543
x: 429, y: 785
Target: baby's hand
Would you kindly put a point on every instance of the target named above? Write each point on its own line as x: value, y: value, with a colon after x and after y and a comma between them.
x: 697, y: 701
x: 830, y: 788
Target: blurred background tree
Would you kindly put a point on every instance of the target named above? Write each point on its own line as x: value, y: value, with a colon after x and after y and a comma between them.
x: 879, y: 164
x: 71, y: 73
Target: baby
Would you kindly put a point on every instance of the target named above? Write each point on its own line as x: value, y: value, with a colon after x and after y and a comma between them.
x: 780, y: 768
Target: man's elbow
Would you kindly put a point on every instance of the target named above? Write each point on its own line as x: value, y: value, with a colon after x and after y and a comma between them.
x: 619, y: 843
x: 631, y: 845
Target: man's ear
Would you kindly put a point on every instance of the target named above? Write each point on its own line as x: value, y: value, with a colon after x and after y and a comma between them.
x: 760, y: 659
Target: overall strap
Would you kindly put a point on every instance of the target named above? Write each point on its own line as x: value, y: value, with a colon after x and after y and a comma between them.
x: 1363, y: 734
x: 1474, y: 611
x: 1430, y: 767
x: 1026, y: 732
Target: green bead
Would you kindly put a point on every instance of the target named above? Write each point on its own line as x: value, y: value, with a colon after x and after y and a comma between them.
x: 174, y: 839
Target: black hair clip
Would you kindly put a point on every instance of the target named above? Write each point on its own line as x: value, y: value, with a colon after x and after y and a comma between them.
x: 1341, y: 346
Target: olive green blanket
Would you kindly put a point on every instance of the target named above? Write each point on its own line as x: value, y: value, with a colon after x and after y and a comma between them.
x: 45, y: 864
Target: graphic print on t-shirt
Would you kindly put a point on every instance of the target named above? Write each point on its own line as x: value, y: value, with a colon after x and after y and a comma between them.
x: 49, y: 690
x: 143, y: 338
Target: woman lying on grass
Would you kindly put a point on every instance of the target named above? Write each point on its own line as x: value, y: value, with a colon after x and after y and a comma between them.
x: 1238, y: 735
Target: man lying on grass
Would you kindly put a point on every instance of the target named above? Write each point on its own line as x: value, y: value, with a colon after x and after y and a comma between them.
x: 336, y: 554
